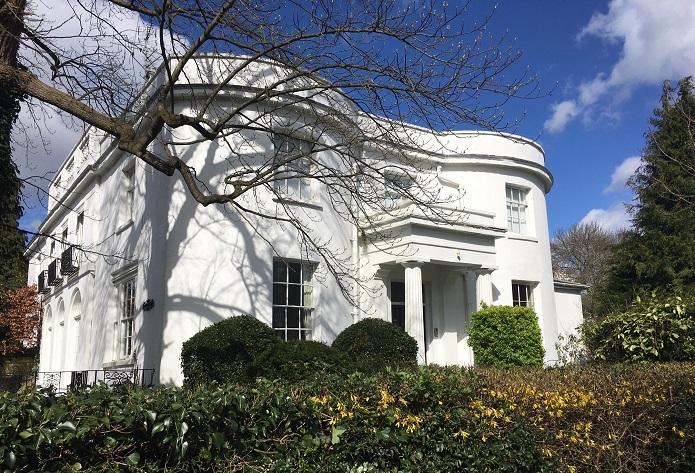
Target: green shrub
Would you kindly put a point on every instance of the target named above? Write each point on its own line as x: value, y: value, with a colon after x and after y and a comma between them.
x: 418, y: 420
x: 675, y: 449
x: 375, y: 343
x: 299, y: 360
x: 506, y: 336
x: 657, y: 327
x: 224, y: 351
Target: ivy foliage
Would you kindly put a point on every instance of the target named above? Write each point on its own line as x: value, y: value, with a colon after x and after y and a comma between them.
x: 506, y: 336
x: 418, y: 420
x: 224, y: 351
x: 13, y: 266
x: 372, y: 344
x: 656, y: 327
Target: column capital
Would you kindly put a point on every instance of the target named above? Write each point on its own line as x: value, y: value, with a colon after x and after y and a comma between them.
x: 412, y: 263
x: 383, y: 271
x: 484, y: 271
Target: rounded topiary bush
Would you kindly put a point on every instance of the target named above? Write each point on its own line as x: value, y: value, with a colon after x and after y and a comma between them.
x: 299, y: 360
x: 224, y: 351
x: 375, y: 343
x: 506, y: 336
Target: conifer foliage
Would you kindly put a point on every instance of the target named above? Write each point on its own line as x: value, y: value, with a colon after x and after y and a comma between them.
x: 660, y: 250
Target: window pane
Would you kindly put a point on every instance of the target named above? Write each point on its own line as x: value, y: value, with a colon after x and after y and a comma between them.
x: 279, y: 271
x: 293, y: 317
x: 305, y: 321
x: 397, y: 292
x: 295, y: 273
x: 279, y: 294
x: 278, y: 317
x: 292, y: 335
x: 294, y: 294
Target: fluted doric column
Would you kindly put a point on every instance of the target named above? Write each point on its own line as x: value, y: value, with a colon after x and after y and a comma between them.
x: 414, y: 323
x: 483, y: 288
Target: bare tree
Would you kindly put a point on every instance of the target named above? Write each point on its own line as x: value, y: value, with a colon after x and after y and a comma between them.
x: 359, y: 69
x: 581, y: 253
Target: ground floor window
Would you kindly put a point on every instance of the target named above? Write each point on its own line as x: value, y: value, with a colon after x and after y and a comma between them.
x: 398, y: 304
x: 127, y: 290
x: 522, y: 295
x: 292, y: 299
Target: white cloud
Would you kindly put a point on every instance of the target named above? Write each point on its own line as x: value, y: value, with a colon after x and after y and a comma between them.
x: 563, y: 113
x: 657, y: 42
x: 43, y: 138
x: 612, y: 218
x: 622, y: 173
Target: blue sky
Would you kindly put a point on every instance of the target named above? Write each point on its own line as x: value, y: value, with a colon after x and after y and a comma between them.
x: 608, y: 59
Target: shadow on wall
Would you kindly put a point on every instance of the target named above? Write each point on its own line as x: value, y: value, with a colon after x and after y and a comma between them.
x: 216, y: 264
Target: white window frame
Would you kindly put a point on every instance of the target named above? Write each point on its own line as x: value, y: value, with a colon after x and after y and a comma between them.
x: 522, y: 294
x: 517, y: 209
x: 79, y: 229
x: 128, y: 194
x: 125, y: 280
x: 396, y: 187
x: 126, y: 323
x: 293, y: 167
x: 293, y: 299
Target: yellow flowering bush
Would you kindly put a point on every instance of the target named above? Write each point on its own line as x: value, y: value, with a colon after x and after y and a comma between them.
x: 596, y: 419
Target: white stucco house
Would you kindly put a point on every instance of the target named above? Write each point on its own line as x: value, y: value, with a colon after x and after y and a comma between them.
x: 129, y: 266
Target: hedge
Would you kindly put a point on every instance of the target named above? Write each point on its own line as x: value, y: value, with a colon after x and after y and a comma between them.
x: 623, y: 419
x: 224, y: 351
x: 299, y: 360
x: 419, y: 420
x: 506, y: 336
x: 373, y: 344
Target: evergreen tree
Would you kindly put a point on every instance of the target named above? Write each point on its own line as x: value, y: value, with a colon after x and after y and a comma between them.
x: 660, y: 250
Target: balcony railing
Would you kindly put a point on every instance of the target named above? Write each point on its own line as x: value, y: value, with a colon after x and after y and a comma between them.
x: 66, y: 380
x: 68, y: 261
x: 54, y: 277
x: 43, y: 282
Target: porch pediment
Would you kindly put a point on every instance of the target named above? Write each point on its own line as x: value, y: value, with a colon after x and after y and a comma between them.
x: 463, y: 237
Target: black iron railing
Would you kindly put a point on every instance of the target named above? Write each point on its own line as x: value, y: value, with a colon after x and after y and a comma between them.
x: 68, y: 261
x: 66, y: 380
x: 54, y: 277
x: 43, y: 282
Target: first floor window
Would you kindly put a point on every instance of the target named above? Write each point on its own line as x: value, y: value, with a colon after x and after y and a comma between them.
x: 396, y: 190
x: 516, y: 210
x: 293, y: 167
x: 128, y: 195
x: 522, y: 295
x: 292, y: 299
x: 127, y: 289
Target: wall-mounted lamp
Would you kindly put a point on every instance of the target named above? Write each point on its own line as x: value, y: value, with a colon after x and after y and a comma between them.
x: 148, y: 304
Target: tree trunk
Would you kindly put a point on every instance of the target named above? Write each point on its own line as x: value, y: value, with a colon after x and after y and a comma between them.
x: 11, y: 22
x: 12, y: 263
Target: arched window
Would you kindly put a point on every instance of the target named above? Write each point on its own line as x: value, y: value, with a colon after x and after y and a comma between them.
x: 46, y: 340
x: 59, y: 340
x: 73, y: 344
